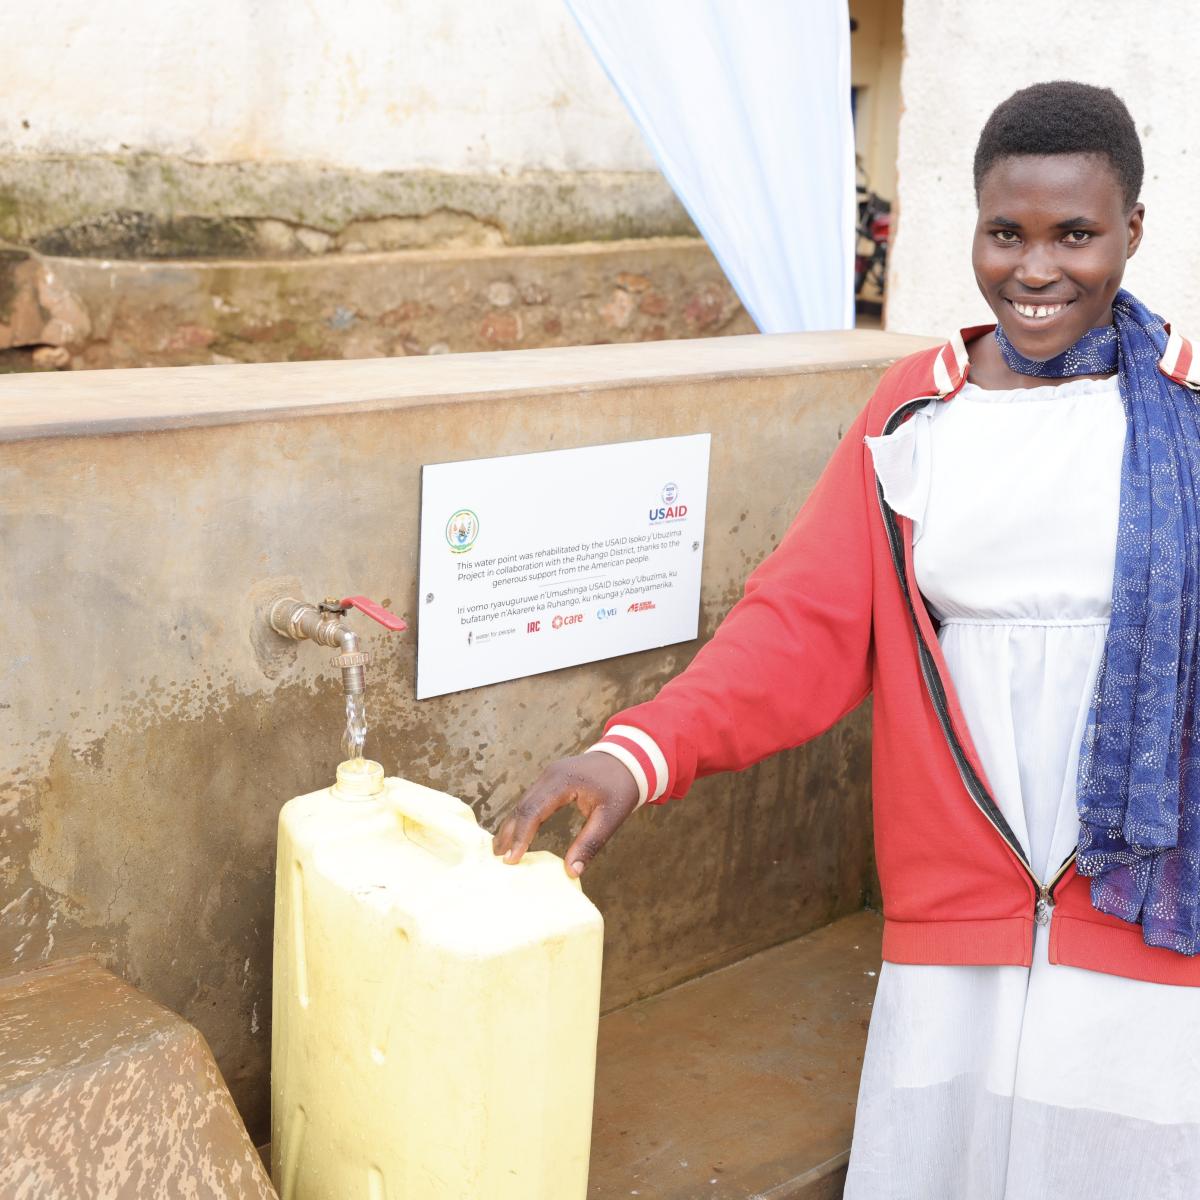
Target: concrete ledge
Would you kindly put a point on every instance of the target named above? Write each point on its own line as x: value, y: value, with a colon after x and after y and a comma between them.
x: 740, y: 1085
x: 87, y: 402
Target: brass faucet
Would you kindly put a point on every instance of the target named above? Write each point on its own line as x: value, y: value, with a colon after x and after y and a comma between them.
x: 325, y: 624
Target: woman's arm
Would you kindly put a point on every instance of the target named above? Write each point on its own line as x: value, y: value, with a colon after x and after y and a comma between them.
x: 792, y: 658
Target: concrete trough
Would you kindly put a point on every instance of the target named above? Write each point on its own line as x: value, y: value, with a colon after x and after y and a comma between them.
x: 149, y: 733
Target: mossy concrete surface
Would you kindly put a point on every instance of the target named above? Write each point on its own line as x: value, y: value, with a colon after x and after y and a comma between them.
x: 77, y: 204
x: 64, y: 312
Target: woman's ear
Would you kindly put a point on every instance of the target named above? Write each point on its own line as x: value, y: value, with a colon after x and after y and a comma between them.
x: 1136, y: 215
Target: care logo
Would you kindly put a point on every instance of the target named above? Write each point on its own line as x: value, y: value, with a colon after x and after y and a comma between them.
x: 462, y: 530
x: 562, y: 619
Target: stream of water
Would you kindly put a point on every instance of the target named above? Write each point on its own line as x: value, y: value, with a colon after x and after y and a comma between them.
x: 356, y: 726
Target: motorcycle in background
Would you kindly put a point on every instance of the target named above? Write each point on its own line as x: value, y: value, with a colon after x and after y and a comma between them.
x: 873, y: 227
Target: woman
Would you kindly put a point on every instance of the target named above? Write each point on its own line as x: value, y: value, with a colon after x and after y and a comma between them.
x: 1014, y: 576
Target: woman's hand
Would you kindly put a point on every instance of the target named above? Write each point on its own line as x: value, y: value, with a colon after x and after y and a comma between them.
x: 604, y: 791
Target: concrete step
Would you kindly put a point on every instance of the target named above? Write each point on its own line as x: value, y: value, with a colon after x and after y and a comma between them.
x: 739, y: 1085
x: 105, y: 1095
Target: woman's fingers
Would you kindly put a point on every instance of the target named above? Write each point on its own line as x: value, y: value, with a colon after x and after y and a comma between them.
x: 604, y: 791
x: 502, y: 838
x: 545, y: 798
x: 601, y: 824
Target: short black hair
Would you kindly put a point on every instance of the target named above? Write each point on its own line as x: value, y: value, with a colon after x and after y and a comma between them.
x: 1064, y: 117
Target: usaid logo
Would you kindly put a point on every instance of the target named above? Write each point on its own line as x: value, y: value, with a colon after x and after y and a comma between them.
x: 670, y: 509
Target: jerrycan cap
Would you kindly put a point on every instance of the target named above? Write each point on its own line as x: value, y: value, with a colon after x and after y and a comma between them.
x: 359, y: 777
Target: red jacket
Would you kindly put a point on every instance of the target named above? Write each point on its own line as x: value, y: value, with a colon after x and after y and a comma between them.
x: 831, y: 615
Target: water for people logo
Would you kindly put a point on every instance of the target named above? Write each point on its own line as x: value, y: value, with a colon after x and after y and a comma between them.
x: 462, y: 530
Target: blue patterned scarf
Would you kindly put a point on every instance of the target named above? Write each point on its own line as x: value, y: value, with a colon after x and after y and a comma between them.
x: 1139, y: 771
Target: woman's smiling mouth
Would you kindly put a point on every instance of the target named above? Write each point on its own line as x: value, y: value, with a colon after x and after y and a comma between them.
x: 1039, y: 312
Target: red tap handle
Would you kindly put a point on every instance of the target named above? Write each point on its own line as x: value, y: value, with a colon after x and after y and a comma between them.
x: 376, y: 612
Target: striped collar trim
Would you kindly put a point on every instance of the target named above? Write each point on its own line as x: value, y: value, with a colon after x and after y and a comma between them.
x: 951, y: 364
x: 1179, y: 361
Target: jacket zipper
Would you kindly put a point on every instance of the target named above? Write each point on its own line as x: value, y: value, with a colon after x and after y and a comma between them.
x: 937, y: 694
x: 1045, y: 900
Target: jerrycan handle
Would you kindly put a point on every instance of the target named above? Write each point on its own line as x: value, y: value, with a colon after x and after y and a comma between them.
x: 461, y: 831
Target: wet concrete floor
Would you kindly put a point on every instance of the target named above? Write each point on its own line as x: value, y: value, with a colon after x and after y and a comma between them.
x: 742, y: 1083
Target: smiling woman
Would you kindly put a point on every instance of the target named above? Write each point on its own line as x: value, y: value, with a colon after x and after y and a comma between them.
x: 1058, y: 220
x: 1037, y: 548
x: 1005, y: 551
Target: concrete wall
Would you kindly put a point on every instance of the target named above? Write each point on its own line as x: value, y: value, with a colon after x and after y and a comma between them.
x: 961, y: 60
x: 151, y: 728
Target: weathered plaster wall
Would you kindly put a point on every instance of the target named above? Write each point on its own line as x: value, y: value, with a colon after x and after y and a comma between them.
x: 151, y: 728
x: 960, y: 61
x: 381, y: 85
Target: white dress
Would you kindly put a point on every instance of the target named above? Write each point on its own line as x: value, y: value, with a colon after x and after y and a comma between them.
x: 1014, y: 1083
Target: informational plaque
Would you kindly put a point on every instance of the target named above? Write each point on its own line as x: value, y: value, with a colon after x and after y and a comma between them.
x: 539, y: 561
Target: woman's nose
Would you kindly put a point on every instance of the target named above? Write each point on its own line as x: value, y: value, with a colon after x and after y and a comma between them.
x: 1037, y: 268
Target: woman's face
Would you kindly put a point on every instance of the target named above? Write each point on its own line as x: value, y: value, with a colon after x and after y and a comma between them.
x: 1051, y: 244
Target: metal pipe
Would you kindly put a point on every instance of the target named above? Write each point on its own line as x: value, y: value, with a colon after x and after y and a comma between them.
x: 300, y: 621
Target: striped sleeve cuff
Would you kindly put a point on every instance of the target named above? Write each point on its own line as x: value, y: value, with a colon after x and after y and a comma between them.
x: 640, y: 753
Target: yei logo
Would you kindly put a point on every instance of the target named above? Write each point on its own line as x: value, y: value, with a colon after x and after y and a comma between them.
x: 461, y: 531
x: 670, y: 509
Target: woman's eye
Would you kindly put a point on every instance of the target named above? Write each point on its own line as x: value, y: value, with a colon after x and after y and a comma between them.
x: 1006, y: 237
x: 1077, y: 237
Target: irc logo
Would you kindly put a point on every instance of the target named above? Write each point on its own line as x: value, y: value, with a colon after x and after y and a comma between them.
x: 533, y: 627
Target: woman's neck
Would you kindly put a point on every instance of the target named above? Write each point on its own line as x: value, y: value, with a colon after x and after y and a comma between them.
x: 990, y: 372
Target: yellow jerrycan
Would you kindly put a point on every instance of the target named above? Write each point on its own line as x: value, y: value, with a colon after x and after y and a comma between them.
x: 435, y: 1009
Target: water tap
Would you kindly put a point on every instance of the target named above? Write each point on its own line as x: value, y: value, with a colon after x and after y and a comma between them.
x: 324, y: 623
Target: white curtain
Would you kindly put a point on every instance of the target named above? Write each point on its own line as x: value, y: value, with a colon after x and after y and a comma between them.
x: 746, y: 106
